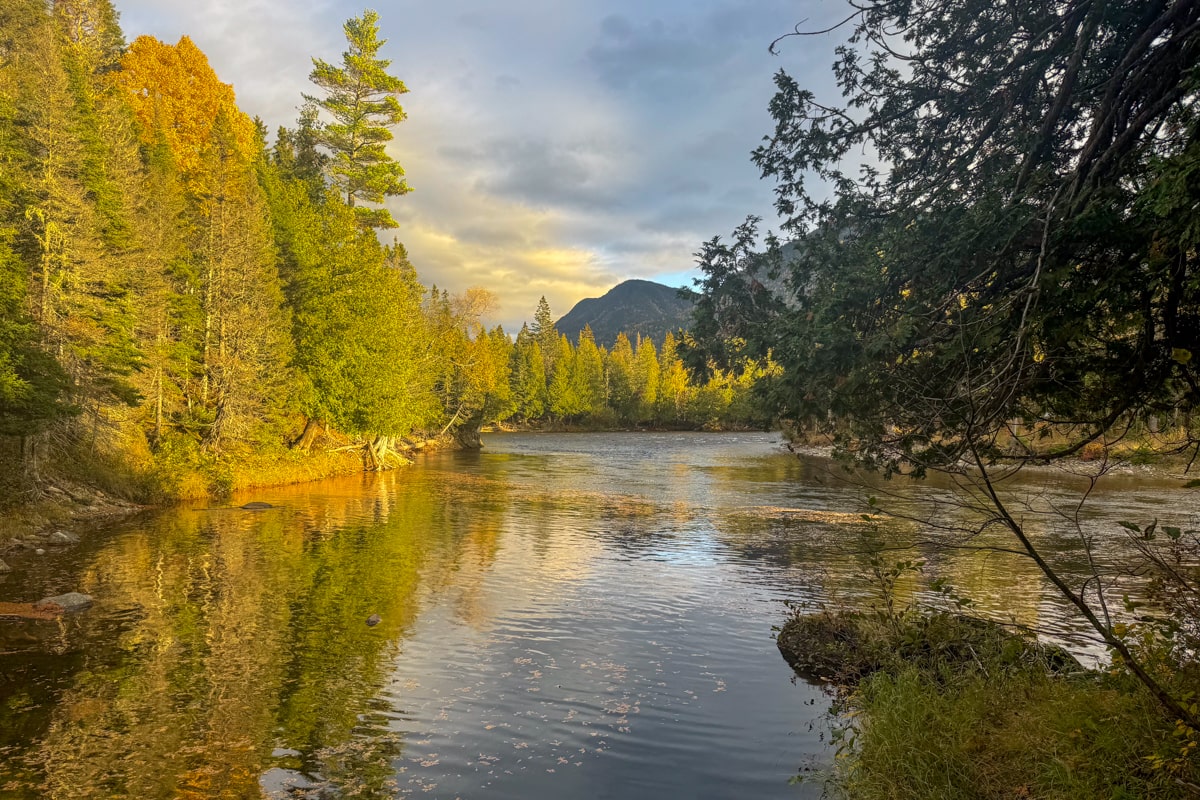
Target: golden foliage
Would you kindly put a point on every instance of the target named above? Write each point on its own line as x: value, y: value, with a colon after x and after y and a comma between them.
x: 176, y: 95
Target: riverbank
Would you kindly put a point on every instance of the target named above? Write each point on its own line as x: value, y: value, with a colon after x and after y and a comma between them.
x: 933, y: 706
x: 86, y: 495
x: 599, y: 427
x: 1141, y: 457
x: 81, y: 500
x: 58, y: 517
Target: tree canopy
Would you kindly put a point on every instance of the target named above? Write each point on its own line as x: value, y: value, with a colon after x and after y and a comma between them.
x: 994, y: 236
x: 991, y: 224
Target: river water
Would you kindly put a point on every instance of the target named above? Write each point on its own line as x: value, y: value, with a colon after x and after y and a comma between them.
x: 576, y: 615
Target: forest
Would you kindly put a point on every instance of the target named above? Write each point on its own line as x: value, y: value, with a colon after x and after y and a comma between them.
x: 191, y: 303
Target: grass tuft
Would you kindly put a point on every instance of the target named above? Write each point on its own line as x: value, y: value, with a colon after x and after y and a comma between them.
x: 937, y: 706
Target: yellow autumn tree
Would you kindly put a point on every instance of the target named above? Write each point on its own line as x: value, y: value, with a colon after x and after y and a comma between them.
x: 176, y: 95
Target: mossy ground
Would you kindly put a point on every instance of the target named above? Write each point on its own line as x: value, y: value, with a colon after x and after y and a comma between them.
x: 935, y: 706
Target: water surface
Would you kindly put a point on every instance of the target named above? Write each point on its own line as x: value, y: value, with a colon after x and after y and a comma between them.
x: 581, y: 615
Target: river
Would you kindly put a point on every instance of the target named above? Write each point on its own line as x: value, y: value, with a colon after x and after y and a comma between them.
x: 560, y: 615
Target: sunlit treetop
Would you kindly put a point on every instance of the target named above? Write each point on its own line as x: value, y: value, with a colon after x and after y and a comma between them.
x: 176, y: 95
x: 360, y: 96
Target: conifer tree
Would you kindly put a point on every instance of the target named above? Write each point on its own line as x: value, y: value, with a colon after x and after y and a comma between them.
x: 79, y: 296
x: 565, y: 398
x: 589, y: 372
x: 527, y: 375
x: 243, y: 341
x: 546, y: 334
x: 362, y: 344
x: 361, y: 97
x: 621, y: 378
x: 673, y: 387
x: 646, y: 378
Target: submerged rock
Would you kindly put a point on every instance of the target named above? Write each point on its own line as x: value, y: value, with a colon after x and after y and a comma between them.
x: 62, y: 538
x: 278, y: 783
x: 373, y: 620
x: 4, y: 567
x: 70, y: 603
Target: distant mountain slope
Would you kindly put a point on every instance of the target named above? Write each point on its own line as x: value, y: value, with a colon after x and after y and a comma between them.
x: 636, y: 307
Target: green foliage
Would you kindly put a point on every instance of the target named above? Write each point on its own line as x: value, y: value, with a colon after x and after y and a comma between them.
x: 566, y: 393
x: 361, y: 97
x: 589, y: 372
x: 1006, y: 734
x: 1021, y: 251
x: 1017, y: 251
x: 360, y: 339
x: 938, y: 705
x: 527, y: 376
x: 176, y: 300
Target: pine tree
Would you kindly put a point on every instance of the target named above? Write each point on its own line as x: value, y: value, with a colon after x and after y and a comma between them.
x: 361, y: 97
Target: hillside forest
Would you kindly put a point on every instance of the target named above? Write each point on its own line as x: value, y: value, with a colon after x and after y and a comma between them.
x: 189, y: 303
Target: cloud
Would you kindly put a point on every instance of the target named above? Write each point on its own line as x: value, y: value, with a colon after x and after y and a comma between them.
x: 553, y: 148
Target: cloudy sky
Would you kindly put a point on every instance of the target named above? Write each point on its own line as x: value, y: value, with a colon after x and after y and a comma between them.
x: 555, y: 147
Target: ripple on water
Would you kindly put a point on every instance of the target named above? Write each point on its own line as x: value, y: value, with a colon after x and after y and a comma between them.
x: 559, y: 616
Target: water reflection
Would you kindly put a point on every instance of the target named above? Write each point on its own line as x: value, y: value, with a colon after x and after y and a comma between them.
x: 583, y: 615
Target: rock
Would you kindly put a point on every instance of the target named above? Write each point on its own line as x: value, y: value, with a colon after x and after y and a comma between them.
x: 70, y: 602
x: 278, y: 783
x: 4, y: 567
x: 256, y: 506
x: 373, y: 620
x: 62, y: 538
x: 39, y: 551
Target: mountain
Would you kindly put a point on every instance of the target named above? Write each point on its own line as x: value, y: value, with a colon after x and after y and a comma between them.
x: 635, y: 307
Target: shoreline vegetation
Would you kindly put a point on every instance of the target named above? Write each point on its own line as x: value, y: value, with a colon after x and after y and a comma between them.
x: 80, y: 505
x: 191, y: 305
x: 935, y: 705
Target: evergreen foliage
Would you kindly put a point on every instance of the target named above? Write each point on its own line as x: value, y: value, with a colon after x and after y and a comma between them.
x: 180, y: 303
x: 360, y: 95
x: 1015, y: 274
x: 1018, y: 252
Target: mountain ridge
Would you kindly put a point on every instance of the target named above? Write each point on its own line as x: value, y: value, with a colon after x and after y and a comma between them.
x: 635, y: 307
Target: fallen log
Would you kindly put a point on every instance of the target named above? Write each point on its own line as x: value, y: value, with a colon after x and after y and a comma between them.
x: 48, y: 608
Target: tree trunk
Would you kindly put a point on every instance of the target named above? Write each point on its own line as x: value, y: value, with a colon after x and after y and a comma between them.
x: 466, y: 435
x: 307, y: 436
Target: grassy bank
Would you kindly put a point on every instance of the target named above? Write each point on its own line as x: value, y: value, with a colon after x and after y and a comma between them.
x: 95, y: 487
x: 934, y: 706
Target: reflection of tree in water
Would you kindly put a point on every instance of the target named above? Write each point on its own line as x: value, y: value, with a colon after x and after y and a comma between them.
x: 825, y: 538
x: 240, y: 633
x: 362, y: 766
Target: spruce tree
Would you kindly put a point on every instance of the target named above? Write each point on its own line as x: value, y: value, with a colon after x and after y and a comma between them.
x: 546, y: 334
x: 620, y: 374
